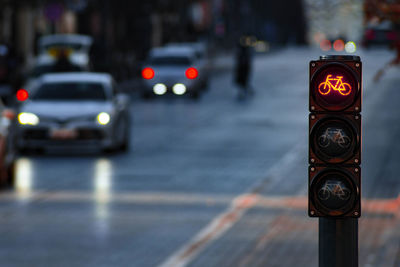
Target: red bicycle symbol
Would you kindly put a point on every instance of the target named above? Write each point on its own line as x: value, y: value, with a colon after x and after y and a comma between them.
x: 336, y: 84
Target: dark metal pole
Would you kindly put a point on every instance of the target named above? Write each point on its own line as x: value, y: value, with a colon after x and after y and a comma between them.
x: 338, y: 242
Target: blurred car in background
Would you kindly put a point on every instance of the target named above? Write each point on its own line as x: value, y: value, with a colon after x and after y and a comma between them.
x: 75, y: 46
x: 173, y: 70
x: 201, y: 53
x: 7, y: 147
x: 200, y: 49
x: 380, y: 34
x: 74, y: 109
x: 60, y: 53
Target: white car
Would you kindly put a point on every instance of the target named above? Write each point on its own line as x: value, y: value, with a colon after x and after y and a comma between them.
x: 74, y: 47
x: 74, y: 109
x: 77, y: 46
x: 202, y: 58
x: 199, y: 48
x: 173, y: 70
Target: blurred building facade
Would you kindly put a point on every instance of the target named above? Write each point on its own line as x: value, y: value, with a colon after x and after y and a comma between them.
x: 334, y: 19
x: 125, y: 30
x: 120, y: 24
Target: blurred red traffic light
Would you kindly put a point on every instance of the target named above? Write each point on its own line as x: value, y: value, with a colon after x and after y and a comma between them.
x: 338, y: 45
x: 191, y: 73
x: 325, y: 45
x: 148, y: 73
x: 22, y: 95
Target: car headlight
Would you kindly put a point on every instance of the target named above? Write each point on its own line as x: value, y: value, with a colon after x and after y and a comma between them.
x: 159, y: 89
x: 28, y: 118
x: 179, y: 89
x: 103, y: 118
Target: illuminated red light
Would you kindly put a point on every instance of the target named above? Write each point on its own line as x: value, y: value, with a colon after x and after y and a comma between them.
x: 338, y: 45
x: 148, y: 73
x: 22, y: 95
x: 191, y: 73
x: 334, y: 84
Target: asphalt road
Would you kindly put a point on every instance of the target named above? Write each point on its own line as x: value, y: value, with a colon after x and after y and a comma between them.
x: 214, y: 182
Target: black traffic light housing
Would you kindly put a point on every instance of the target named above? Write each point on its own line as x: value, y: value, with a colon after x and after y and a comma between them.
x: 335, y: 137
x: 349, y: 66
x: 344, y: 182
x: 347, y: 148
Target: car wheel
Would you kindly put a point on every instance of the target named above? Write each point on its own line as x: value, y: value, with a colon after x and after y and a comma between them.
x: 126, y: 136
x: 121, y: 135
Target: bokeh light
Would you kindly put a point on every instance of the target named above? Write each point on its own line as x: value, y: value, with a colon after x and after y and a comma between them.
x: 103, y: 118
x: 325, y: 45
x: 191, y: 73
x: 179, y: 89
x: 22, y: 95
x: 350, y: 47
x: 159, y: 89
x: 338, y: 45
x: 148, y: 73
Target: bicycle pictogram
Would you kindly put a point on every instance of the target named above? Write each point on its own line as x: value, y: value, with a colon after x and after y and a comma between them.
x: 334, y: 189
x: 334, y: 135
x: 335, y: 84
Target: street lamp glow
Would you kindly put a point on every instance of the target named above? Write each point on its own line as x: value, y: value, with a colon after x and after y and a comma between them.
x: 350, y: 47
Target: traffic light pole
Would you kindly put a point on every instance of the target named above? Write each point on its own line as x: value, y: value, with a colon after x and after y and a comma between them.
x: 338, y: 242
x: 334, y: 171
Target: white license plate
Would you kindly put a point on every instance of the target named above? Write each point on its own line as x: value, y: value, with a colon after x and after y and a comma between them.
x: 64, y: 134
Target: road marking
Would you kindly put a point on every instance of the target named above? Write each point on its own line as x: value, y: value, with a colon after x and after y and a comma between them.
x: 212, y: 231
x: 369, y: 206
x: 223, y: 222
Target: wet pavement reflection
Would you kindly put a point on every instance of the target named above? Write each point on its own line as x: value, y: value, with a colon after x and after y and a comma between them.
x: 24, y: 179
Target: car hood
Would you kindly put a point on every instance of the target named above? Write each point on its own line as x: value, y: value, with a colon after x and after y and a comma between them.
x: 65, y: 110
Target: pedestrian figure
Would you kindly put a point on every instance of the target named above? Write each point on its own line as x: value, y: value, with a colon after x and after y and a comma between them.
x: 243, y: 68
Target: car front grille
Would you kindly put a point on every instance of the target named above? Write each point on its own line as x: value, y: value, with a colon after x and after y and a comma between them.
x: 44, y: 134
x: 36, y: 134
x: 87, y: 134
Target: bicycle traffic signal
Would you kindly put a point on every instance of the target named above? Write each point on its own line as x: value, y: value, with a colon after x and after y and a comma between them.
x: 335, y: 137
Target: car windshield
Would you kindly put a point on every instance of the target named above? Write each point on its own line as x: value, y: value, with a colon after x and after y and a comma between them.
x: 170, y: 60
x: 70, y: 92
